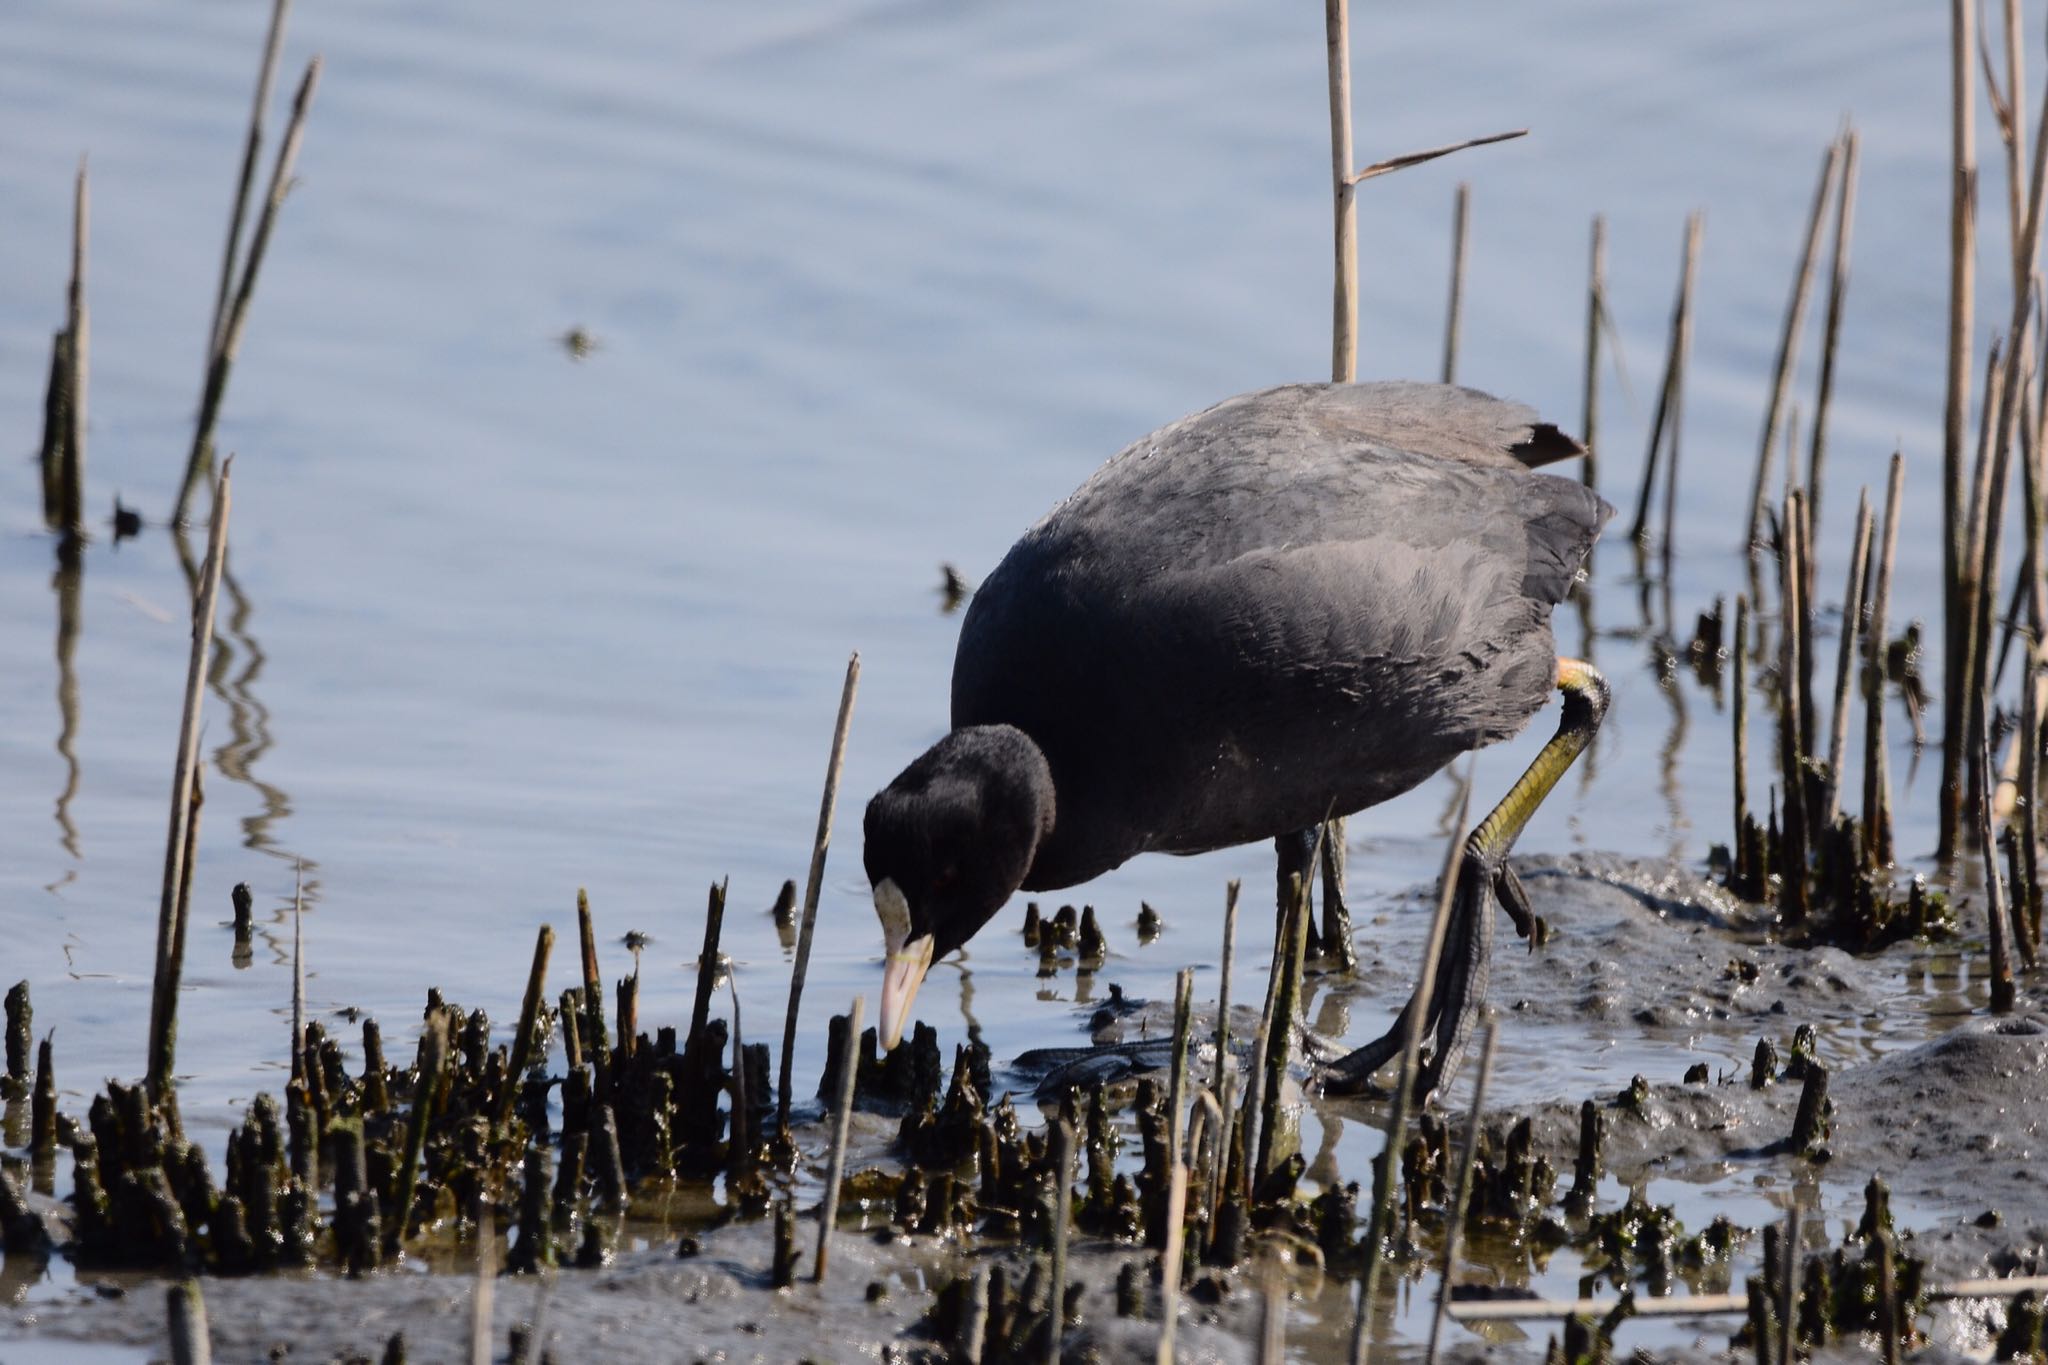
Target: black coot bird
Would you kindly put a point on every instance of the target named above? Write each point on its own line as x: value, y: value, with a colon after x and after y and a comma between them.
x: 1301, y: 601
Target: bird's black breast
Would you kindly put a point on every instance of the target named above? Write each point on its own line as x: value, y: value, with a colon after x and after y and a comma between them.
x: 1262, y: 613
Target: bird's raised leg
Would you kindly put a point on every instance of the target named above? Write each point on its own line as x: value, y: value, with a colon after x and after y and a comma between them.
x: 1460, y: 987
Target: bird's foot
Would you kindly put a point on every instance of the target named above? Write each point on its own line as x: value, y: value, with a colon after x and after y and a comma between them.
x: 1457, y: 993
x: 1514, y: 898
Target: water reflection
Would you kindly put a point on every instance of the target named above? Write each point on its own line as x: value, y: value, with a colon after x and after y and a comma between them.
x: 1664, y: 663
x: 67, y: 580
x: 967, y: 999
x: 231, y: 675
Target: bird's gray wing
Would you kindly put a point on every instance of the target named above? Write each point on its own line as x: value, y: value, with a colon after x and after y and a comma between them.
x: 1445, y: 420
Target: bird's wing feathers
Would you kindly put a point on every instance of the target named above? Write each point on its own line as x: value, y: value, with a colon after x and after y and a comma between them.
x: 1444, y: 420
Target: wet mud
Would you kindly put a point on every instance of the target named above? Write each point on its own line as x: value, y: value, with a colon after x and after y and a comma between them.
x: 1648, y: 967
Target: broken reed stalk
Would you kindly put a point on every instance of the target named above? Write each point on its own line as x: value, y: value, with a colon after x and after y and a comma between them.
x: 1177, y: 1071
x: 2017, y: 898
x: 1845, y: 659
x: 266, y: 77
x: 191, y: 1341
x: 1262, y: 1041
x: 2025, y: 764
x: 426, y: 1095
x: 529, y: 1014
x: 1205, y: 1128
x: 1280, y: 1033
x: 1467, y: 1159
x: 1676, y: 409
x: 739, y: 1151
x: 1877, y: 833
x: 1788, y: 342
x: 169, y: 964
x: 1962, y: 288
x: 707, y: 959
x: 595, y: 1039
x: 56, y: 425
x: 480, y: 1301
x: 2029, y: 831
x: 1596, y: 308
x: 1792, y: 703
x: 1170, y: 1258
x: 1664, y: 424
x: 1831, y: 329
x: 1062, y: 1218
x: 2014, y: 134
x: 1460, y: 219
x: 626, y: 994
x: 1990, y: 529
x: 1407, y: 159
x: 1691, y: 1305
x: 1809, y: 728
x: 77, y: 355
x: 298, y: 971
x: 842, y: 1124
x: 1343, y: 189
x: 812, y: 887
x: 1230, y: 892
x: 1344, y: 242
x: 1995, y: 913
x: 1273, y: 1317
x: 1739, y: 686
x: 2027, y: 586
x: 1887, y: 1301
x: 1385, y: 1169
x: 182, y: 917
x: 229, y: 341
x: 1177, y: 1171
x: 1788, y: 1290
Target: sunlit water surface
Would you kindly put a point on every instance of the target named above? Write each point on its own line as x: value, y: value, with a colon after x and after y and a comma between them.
x: 871, y: 285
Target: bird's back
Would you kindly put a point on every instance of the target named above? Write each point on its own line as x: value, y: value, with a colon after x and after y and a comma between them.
x: 1308, y: 596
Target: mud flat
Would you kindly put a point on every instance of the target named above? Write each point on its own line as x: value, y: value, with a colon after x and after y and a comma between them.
x: 1647, y: 967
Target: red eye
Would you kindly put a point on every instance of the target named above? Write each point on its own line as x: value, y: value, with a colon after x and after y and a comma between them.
x: 945, y: 880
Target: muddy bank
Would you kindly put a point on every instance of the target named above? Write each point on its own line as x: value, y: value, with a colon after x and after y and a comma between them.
x: 1647, y: 966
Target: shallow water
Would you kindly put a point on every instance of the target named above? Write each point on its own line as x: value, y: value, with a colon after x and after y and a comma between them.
x: 872, y: 284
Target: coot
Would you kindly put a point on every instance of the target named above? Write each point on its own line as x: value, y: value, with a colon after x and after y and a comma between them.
x: 1301, y: 601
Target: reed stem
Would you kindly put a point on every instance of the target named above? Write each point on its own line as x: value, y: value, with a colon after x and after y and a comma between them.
x: 1831, y: 328
x: 1467, y: 1159
x: 842, y: 1124
x: 1062, y: 1218
x: 229, y: 340
x: 169, y: 964
x: 1596, y: 310
x: 1343, y: 190
x: 266, y: 77
x: 1845, y: 659
x: 1385, y: 1168
x: 191, y: 1340
x: 1962, y: 288
x: 77, y: 358
x: 1877, y: 834
x: 813, y: 887
x: 1461, y: 207
x: 1788, y: 342
x: 529, y: 1016
x: 1663, y: 425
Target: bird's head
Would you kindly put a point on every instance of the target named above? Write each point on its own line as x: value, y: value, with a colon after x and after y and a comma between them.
x: 947, y: 843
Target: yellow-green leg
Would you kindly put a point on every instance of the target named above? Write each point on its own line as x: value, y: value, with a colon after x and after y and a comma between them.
x: 1484, y: 880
